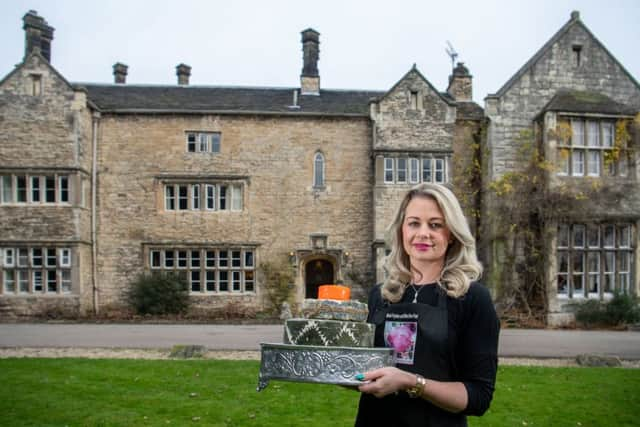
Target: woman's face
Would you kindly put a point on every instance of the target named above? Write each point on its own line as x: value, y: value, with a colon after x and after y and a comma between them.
x: 425, y: 236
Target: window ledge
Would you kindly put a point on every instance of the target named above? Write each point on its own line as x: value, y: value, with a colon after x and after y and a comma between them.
x: 39, y: 295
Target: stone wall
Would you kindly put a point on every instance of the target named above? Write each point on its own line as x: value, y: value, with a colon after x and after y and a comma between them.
x: 525, y: 98
x: 466, y: 169
x: 426, y: 127
x: 272, y: 157
x: 50, y: 130
x: 46, y: 130
x: 411, y: 120
x: 521, y: 102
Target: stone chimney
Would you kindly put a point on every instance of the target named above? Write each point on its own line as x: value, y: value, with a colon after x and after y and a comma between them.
x: 38, y: 35
x: 120, y: 73
x: 310, y: 78
x: 183, y: 71
x: 460, y: 87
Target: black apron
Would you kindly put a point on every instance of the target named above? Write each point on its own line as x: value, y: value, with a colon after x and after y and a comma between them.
x: 429, y: 356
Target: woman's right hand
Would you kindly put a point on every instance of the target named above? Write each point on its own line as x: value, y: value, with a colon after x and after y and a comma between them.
x: 384, y: 381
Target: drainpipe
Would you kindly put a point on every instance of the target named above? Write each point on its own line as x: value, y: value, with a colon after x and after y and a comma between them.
x: 94, y: 173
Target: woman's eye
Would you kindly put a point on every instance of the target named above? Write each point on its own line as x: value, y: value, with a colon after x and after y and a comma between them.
x: 435, y: 225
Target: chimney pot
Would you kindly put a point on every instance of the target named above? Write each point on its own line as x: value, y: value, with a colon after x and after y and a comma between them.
x: 183, y: 71
x: 120, y: 73
x: 38, y: 35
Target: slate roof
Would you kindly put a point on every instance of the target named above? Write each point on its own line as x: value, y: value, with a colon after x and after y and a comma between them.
x: 466, y: 110
x: 587, y: 102
x: 469, y: 111
x: 126, y: 98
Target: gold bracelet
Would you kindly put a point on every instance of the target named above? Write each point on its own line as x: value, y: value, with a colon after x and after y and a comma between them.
x: 418, y: 389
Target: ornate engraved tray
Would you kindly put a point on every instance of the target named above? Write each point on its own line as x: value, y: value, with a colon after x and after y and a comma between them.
x: 319, y: 364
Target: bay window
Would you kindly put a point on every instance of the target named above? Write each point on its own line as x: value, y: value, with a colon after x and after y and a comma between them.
x: 591, y: 151
x: 593, y: 260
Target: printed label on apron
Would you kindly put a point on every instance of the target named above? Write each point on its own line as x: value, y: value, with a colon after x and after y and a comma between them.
x: 400, y: 334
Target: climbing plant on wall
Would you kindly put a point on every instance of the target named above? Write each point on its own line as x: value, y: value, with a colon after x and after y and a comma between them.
x: 525, y: 205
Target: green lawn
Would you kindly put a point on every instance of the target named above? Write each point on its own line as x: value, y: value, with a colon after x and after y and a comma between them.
x: 85, y: 392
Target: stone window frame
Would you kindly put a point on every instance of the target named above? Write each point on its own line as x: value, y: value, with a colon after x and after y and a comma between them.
x: 389, y: 170
x: 599, y: 256
x: 33, y: 270
x: 35, y: 84
x: 577, y: 153
x: 438, y: 166
x: 19, y: 189
x: 402, y: 170
x: 209, y: 269
x: 413, y: 99
x: 203, y: 142
x: 319, y: 170
x: 202, y: 196
x: 415, y: 170
x: 576, y: 55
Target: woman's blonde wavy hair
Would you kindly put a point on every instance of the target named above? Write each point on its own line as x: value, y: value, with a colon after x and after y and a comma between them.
x: 461, y: 265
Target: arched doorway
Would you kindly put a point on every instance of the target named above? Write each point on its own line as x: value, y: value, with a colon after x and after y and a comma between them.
x: 317, y: 272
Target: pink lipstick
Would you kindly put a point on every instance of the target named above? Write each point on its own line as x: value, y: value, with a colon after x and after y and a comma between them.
x: 422, y: 246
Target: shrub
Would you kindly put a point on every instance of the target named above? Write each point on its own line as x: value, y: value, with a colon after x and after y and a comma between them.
x: 620, y: 310
x: 278, y: 284
x: 590, y: 313
x: 159, y: 294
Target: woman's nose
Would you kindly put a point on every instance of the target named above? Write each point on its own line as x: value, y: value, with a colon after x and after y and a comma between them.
x: 424, y: 230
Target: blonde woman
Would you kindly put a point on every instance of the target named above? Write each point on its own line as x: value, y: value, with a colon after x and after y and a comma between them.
x: 437, y: 317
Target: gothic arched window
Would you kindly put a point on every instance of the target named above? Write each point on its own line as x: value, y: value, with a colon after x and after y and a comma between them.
x: 318, y: 171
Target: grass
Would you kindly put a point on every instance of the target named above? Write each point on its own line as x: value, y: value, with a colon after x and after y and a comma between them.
x: 86, y: 392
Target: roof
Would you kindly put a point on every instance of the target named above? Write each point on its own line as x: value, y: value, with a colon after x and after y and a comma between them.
x: 465, y: 110
x: 469, y: 111
x: 575, y: 20
x: 586, y: 102
x: 126, y: 98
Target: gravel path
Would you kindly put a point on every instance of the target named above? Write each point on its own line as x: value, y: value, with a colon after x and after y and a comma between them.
x: 126, y: 353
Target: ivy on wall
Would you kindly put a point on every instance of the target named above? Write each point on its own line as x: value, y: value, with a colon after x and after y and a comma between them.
x: 525, y: 205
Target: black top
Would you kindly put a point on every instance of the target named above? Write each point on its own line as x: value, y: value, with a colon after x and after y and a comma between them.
x: 473, y: 330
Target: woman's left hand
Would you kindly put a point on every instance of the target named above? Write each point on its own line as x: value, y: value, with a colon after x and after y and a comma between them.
x: 384, y: 381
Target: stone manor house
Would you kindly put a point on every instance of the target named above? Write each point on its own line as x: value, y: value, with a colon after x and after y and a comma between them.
x: 100, y: 182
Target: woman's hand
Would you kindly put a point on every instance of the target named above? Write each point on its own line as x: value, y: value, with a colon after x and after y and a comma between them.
x: 384, y: 381
x: 448, y: 395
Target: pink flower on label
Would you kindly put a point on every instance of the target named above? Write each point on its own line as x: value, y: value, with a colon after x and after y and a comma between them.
x: 401, y: 337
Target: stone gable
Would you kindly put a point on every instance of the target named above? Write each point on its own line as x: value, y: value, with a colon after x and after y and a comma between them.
x: 554, y: 70
x: 413, y: 116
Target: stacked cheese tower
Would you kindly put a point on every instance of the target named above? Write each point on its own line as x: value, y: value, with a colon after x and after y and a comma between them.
x: 331, y: 322
x: 330, y: 343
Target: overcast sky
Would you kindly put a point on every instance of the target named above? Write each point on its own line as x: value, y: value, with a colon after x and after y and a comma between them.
x: 364, y: 44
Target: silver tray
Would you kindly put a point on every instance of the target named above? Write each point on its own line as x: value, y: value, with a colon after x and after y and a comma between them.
x: 319, y: 364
